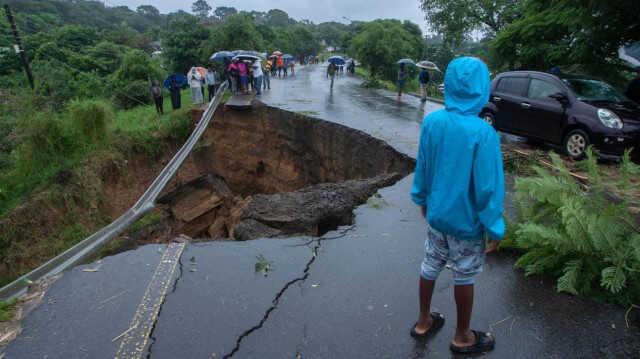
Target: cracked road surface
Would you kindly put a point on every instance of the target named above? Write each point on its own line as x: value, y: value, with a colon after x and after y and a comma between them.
x: 352, y: 294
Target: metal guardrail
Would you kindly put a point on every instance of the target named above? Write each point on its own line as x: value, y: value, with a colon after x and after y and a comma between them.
x: 146, y: 203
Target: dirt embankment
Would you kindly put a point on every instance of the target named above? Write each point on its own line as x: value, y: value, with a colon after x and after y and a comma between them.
x: 269, y: 172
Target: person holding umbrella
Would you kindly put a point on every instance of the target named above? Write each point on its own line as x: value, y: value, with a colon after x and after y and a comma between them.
x: 280, y: 65
x: 243, y: 73
x: 331, y: 72
x: 423, y: 79
x: 257, y: 77
x: 266, y: 70
x: 195, y: 84
x: 402, y: 77
x: 174, y: 83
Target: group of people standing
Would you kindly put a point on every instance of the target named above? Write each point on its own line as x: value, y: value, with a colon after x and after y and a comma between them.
x: 280, y: 67
x: 247, y: 75
x: 197, y: 83
x: 196, y: 78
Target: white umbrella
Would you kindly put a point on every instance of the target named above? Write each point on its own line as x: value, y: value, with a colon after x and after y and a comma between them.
x: 428, y: 65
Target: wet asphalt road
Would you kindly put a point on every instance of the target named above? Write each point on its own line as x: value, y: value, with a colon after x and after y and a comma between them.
x: 350, y: 294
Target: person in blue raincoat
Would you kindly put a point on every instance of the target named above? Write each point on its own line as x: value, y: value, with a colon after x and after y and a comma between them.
x: 459, y: 186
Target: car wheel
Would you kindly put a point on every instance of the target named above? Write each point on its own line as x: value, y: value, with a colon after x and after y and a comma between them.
x: 489, y: 118
x: 575, y: 144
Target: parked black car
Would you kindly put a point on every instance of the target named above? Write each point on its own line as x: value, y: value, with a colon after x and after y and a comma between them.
x: 568, y: 110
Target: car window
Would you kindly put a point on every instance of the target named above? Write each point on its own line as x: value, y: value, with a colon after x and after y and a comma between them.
x: 512, y: 85
x: 594, y: 90
x: 541, y: 90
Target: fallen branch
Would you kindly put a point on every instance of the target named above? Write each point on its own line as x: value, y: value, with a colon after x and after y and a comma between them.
x: 626, y: 315
x: 575, y: 175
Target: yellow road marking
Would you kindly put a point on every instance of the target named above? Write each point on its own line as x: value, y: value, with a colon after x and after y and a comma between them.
x: 134, y: 340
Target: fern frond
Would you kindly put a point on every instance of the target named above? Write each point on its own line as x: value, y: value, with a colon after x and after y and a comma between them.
x: 574, y: 220
x: 569, y: 280
x: 535, y: 235
x: 613, y: 279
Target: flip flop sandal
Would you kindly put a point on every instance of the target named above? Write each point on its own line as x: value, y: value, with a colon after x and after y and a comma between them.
x: 484, y: 343
x: 436, y: 325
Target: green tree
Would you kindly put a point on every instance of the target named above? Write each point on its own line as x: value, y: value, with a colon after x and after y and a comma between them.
x: 302, y: 41
x: 380, y: 43
x: 239, y: 32
x: 456, y: 19
x: 182, y: 44
x: 133, y: 78
x: 221, y: 13
x: 201, y: 8
x: 277, y: 17
x: 581, y: 36
x: 332, y: 33
x: 75, y: 37
x: 148, y: 11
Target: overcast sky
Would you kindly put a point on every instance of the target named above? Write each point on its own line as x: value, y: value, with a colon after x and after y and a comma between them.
x: 314, y: 10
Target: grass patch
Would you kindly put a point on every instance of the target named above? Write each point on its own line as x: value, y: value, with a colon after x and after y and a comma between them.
x: 60, y: 162
x: 410, y: 85
x: 148, y: 219
x: 6, y: 309
x: 377, y: 202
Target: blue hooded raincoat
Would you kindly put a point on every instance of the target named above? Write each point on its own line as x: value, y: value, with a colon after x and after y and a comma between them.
x: 458, y: 175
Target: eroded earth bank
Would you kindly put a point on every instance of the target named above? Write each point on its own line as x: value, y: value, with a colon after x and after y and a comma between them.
x: 265, y: 172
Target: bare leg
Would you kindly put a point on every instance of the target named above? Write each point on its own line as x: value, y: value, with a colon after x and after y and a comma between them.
x: 464, y: 305
x: 424, y: 319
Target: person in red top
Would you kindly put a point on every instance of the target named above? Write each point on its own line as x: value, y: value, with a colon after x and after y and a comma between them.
x: 244, y: 76
x: 280, y: 63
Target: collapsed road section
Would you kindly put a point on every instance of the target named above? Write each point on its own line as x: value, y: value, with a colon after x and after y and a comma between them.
x: 265, y: 172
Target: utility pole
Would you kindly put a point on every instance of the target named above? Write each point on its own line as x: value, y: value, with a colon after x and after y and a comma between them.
x: 18, y: 45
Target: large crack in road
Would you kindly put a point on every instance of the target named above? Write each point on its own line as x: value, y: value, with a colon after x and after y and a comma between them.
x: 280, y: 293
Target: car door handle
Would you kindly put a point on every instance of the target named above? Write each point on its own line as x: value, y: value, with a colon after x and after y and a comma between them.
x: 525, y: 105
x: 497, y: 99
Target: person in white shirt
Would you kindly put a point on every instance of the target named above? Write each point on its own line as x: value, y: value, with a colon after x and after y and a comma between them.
x: 211, y: 79
x: 195, y: 83
x: 257, y: 76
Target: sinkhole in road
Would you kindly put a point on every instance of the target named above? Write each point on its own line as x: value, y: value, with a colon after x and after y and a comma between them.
x: 267, y: 172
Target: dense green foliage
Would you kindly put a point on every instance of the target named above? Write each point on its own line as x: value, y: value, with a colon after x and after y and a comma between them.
x: 457, y: 19
x: 379, y: 44
x: 585, y: 236
x: 577, y: 35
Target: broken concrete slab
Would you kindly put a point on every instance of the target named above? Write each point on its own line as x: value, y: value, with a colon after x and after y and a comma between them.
x: 195, y: 204
x: 309, y: 211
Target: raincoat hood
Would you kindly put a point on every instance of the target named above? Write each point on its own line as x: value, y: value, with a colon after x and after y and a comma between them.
x: 466, y: 86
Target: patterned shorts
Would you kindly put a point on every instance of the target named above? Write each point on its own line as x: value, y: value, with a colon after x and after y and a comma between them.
x: 465, y: 257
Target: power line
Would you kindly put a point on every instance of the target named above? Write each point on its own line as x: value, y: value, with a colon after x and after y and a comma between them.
x: 83, y: 72
x: 18, y: 45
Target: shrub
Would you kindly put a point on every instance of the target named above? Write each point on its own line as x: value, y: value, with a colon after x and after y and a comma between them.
x: 132, y: 94
x: 91, y: 119
x: 583, y: 235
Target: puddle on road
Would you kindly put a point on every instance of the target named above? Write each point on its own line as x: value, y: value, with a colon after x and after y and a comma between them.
x: 268, y: 172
